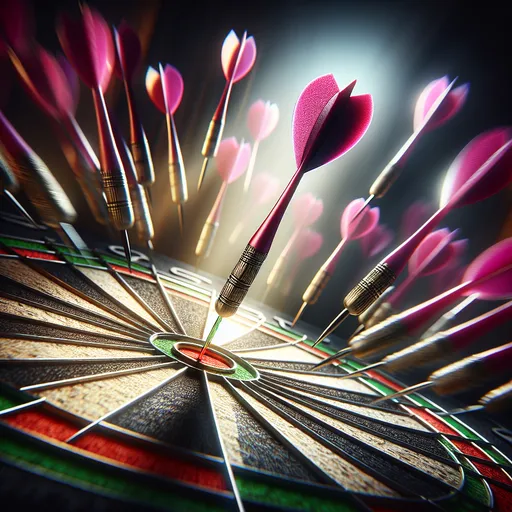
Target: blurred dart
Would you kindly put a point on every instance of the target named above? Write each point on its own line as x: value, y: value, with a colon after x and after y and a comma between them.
x: 351, y: 229
x: 143, y: 224
x: 306, y: 210
x: 42, y: 189
x: 232, y: 160
x: 494, y: 401
x: 376, y: 241
x: 435, y: 253
x: 165, y: 88
x: 461, y: 375
x: 8, y: 186
x: 262, y: 119
x: 237, y: 58
x: 436, y: 105
x: 87, y: 43
x: 326, y: 124
x: 17, y: 25
x: 481, y: 169
x: 414, y: 216
x: 54, y: 88
x: 308, y: 244
x: 264, y: 188
x: 129, y: 56
x: 489, y: 277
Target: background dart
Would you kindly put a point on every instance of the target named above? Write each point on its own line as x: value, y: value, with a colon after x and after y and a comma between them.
x: 351, y: 229
x: 129, y: 56
x: 232, y: 160
x: 482, y: 168
x: 237, y: 58
x: 88, y: 45
x: 262, y: 120
x: 165, y: 88
x: 264, y: 188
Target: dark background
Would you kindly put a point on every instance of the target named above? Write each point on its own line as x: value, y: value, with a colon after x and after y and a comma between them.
x: 397, y: 46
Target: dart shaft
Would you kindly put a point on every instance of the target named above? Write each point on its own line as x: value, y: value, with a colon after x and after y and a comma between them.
x: 143, y: 161
x: 177, y: 176
x: 206, y: 238
x: 239, y: 281
x: 498, y: 399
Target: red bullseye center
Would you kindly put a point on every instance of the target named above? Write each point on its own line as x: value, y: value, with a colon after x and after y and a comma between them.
x: 209, y: 358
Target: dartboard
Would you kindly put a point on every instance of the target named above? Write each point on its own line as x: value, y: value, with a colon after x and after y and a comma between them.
x: 104, y: 405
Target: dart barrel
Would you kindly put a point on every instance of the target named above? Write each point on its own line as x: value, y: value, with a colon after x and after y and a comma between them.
x: 119, y: 205
x: 143, y: 224
x: 212, y: 139
x: 206, y: 238
x: 369, y: 289
x: 237, y: 285
x: 316, y: 286
x: 460, y: 376
x: 43, y: 190
x: 366, y: 318
x: 143, y: 162
x: 385, y: 179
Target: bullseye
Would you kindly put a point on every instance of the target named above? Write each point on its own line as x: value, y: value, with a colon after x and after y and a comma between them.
x: 188, y: 353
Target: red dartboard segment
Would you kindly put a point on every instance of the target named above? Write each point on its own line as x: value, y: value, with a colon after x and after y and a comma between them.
x: 208, y: 358
x: 36, y: 254
x: 54, y: 427
x: 135, y: 273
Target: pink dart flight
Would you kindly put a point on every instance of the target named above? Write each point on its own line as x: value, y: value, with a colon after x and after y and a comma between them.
x: 232, y: 161
x: 376, y: 241
x: 436, y: 252
x: 264, y: 188
x: 327, y: 122
x: 165, y: 88
x: 129, y: 56
x: 237, y: 59
x: 414, y: 217
x: 262, y: 119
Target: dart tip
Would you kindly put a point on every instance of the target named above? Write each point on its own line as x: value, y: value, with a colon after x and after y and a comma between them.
x: 20, y: 208
x: 356, y: 332
x: 180, y: 217
x: 332, y: 326
x: 127, y: 249
x: 299, y: 313
x: 203, y: 172
x: 404, y: 392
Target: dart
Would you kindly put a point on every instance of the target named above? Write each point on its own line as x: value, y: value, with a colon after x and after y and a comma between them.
x: 351, y: 229
x: 308, y: 244
x: 435, y: 253
x: 435, y: 106
x: 413, y: 217
x: 39, y: 184
x: 129, y: 56
x: 480, y: 170
x: 262, y: 120
x: 165, y: 88
x: 326, y: 124
x: 87, y: 43
x: 306, y: 209
x: 494, y: 401
x: 237, y: 58
x: 9, y: 185
x: 376, y: 241
x: 53, y: 86
x: 232, y: 160
x: 264, y: 188
x: 451, y: 341
x: 488, y: 277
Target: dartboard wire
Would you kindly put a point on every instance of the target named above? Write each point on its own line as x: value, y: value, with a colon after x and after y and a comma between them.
x: 277, y: 388
x: 436, y: 435
x: 123, y: 327
x: 250, y: 389
x: 167, y: 299
x: 160, y: 322
x: 269, y: 347
x: 93, y: 377
x: 379, y: 476
x: 139, y: 347
x: 39, y: 322
x: 68, y: 314
x: 131, y: 318
x: 227, y: 464
x: 122, y: 407
x: 21, y: 407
